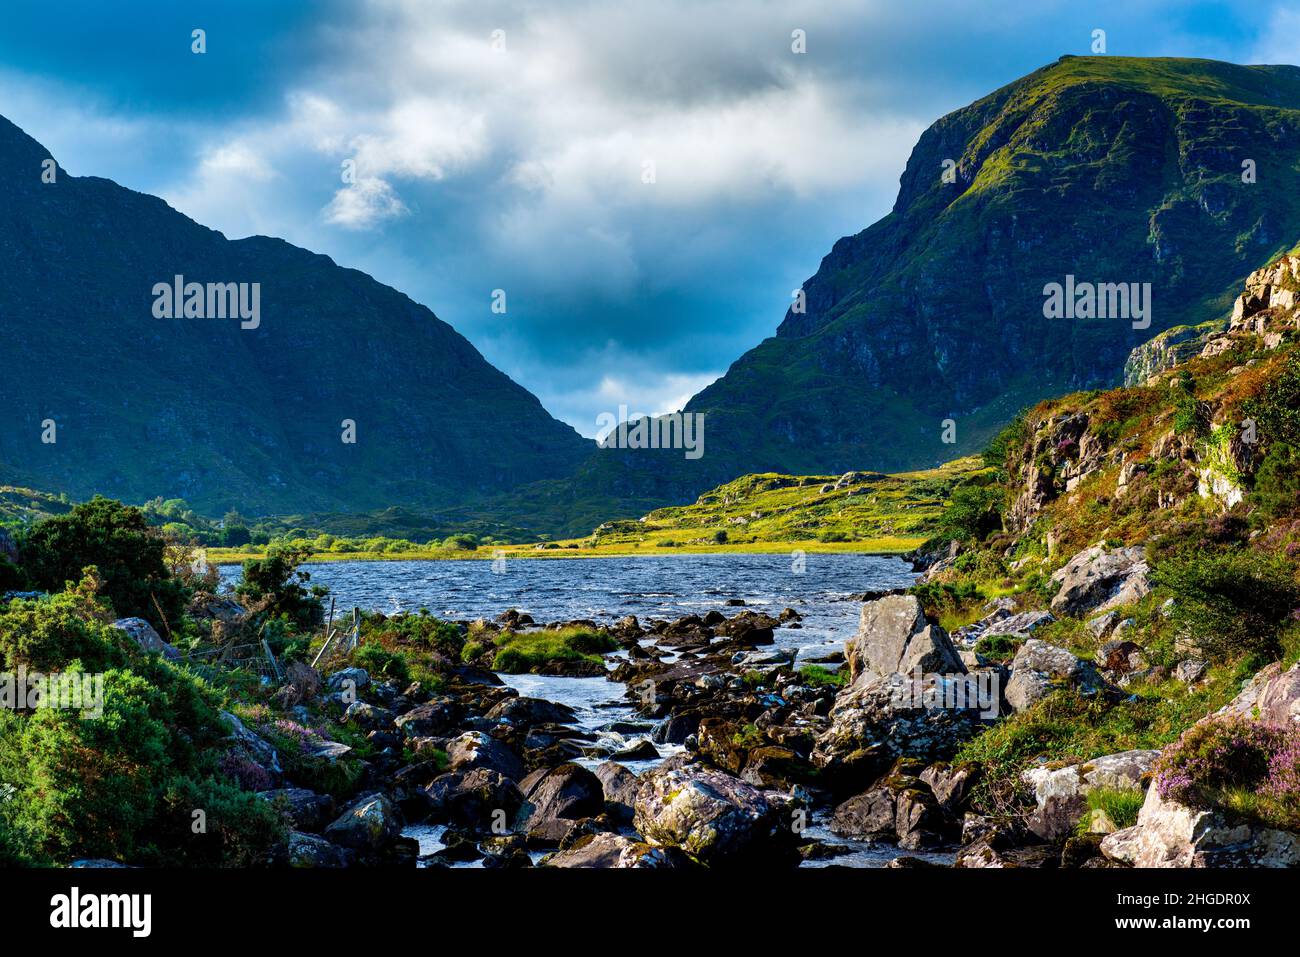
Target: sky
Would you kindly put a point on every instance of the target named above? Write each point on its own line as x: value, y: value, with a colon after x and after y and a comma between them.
x: 642, y: 186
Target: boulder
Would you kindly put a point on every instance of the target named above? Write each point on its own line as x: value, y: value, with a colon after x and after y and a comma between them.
x: 368, y: 716
x: 869, y: 816
x: 1271, y: 696
x: 714, y: 818
x: 950, y: 783
x: 371, y: 823
x: 567, y: 792
x: 894, y: 637
x: 149, y: 641
x: 611, y: 850
x: 252, y: 746
x: 474, y: 749
x: 1170, y: 834
x: 1061, y: 793
x: 308, y: 850
x: 304, y: 810
x: 439, y: 717
x: 525, y: 712
x: 885, y: 719
x: 479, y: 800
x: 1018, y: 626
x: 1038, y: 668
x: 1096, y: 580
x: 619, y: 786
x: 348, y: 678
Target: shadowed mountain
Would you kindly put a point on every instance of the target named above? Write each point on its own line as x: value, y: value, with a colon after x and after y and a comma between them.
x: 225, y: 416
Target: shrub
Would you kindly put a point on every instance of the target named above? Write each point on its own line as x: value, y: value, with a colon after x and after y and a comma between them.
x: 997, y: 647
x: 1277, y: 484
x: 277, y: 582
x: 1232, y: 602
x: 381, y: 662
x: 119, y: 542
x: 45, y: 635
x: 1243, y: 767
x: 973, y: 512
x: 124, y: 785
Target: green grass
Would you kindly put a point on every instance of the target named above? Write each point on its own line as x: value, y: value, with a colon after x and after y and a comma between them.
x: 528, y: 652
x: 815, y: 676
x: 1120, y: 805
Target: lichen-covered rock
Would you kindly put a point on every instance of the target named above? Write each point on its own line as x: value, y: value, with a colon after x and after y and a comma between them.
x: 143, y: 634
x: 891, y: 717
x: 611, y: 851
x: 479, y: 800
x: 308, y: 850
x: 1039, y: 667
x: 714, y: 818
x: 1271, y: 696
x: 1096, y: 580
x: 1170, y: 834
x: 894, y: 637
x: 371, y: 823
x: 1061, y: 794
x: 474, y: 749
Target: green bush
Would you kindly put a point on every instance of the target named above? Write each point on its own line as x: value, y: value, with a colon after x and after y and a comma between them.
x: 381, y: 663
x: 1229, y: 603
x: 277, y: 582
x: 125, y: 785
x: 46, y: 634
x: 973, y: 512
x: 1277, y: 484
x: 119, y: 542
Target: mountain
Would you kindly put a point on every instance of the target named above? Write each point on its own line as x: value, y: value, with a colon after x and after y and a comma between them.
x: 1110, y: 169
x: 221, y: 415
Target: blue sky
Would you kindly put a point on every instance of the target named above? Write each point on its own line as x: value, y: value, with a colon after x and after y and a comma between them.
x: 518, y: 164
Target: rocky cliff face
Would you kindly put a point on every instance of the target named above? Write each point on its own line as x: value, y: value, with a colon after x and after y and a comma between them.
x: 1109, y: 169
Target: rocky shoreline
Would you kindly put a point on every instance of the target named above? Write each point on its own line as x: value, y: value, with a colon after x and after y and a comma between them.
x: 757, y: 750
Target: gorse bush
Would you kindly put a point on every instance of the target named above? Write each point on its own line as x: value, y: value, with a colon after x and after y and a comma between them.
x: 276, y: 583
x: 46, y: 635
x: 1229, y: 603
x: 119, y: 542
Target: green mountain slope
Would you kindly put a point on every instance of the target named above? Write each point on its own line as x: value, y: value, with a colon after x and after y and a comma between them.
x: 219, y: 415
x: 1111, y: 169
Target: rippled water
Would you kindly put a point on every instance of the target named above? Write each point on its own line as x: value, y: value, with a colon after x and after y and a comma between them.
x: 605, y: 589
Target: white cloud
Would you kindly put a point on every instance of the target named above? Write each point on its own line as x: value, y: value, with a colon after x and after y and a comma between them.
x: 364, y: 204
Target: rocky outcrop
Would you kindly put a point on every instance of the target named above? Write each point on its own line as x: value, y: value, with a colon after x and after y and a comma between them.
x: 714, y: 818
x: 1039, y: 668
x: 1097, y: 579
x: 1061, y: 794
x: 891, y: 717
x: 894, y: 637
x: 1168, y: 349
x: 148, y: 640
x: 1170, y: 834
x: 1271, y: 696
x: 611, y: 850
